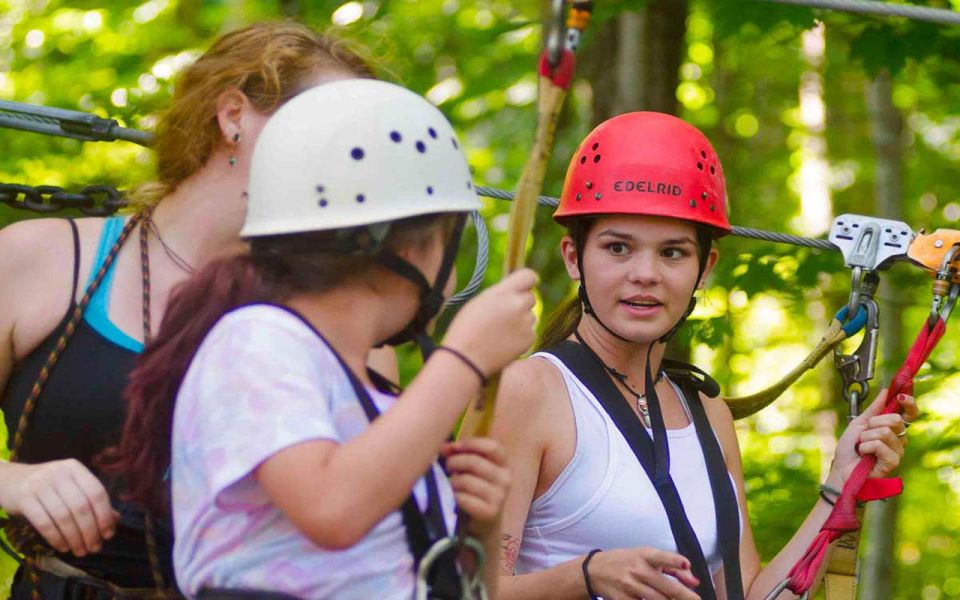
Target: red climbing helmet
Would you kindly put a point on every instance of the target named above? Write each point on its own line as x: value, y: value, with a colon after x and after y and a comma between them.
x: 646, y: 163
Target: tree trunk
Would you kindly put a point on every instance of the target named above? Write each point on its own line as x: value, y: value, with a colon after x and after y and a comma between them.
x: 881, y: 517
x: 646, y: 49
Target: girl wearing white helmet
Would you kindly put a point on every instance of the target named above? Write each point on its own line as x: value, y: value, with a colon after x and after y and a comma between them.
x: 627, y: 480
x: 294, y: 469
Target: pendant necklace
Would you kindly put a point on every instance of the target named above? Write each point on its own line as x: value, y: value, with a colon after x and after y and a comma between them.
x: 642, y: 407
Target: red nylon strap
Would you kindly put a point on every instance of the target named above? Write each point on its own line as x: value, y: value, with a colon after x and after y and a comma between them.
x: 562, y: 74
x: 843, y: 517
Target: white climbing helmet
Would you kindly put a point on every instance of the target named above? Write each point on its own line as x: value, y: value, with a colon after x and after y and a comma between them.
x: 351, y: 153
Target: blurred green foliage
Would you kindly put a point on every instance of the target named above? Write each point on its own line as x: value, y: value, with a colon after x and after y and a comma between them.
x: 739, y: 83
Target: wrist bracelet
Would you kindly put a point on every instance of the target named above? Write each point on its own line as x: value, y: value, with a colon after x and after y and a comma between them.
x: 826, y: 499
x: 463, y: 358
x: 586, y: 574
x: 826, y: 488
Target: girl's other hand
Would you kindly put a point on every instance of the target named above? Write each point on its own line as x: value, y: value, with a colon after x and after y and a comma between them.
x: 480, y: 480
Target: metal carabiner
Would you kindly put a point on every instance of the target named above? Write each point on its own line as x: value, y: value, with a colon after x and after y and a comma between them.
x: 856, y: 277
x: 857, y: 369
x: 950, y: 302
x: 471, y: 583
x: 556, y: 34
x: 782, y: 586
x: 942, y: 286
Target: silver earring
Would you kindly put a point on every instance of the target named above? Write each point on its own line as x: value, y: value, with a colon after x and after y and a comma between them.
x: 233, y: 159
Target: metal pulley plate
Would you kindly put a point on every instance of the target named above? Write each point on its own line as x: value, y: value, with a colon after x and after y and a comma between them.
x: 868, y: 242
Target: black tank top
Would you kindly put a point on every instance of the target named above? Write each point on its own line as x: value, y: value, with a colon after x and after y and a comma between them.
x: 79, y: 414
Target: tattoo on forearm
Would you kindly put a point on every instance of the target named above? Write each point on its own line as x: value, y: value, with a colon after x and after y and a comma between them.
x: 509, y: 551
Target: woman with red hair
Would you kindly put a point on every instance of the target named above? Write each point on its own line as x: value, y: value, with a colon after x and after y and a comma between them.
x: 61, y: 376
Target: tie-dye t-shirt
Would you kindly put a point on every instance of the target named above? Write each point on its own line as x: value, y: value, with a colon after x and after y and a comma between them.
x: 263, y: 381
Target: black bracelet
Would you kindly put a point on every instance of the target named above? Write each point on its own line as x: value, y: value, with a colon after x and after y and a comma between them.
x: 586, y: 574
x: 823, y: 495
x: 473, y: 366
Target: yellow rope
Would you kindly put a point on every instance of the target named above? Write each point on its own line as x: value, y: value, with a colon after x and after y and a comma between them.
x: 744, y: 406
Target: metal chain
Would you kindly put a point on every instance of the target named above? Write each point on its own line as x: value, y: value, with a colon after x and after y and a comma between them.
x: 93, y: 200
x: 942, y: 16
x: 103, y: 200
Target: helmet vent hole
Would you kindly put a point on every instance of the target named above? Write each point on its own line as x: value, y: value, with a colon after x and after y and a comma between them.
x: 713, y: 207
x: 713, y: 170
x: 357, y: 153
x: 703, y: 154
x: 396, y: 137
x: 598, y: 195
x: 596, y: 158
x: 595, y: 146
x: 693, y: 203
x: 700, y: 165
x: 432, y: 132
x: 579, y: 197
x: 583, y: 159
x: 361, y: 198
x: 320, y: 189
x: 421, y: 147
x: 323, y: 203
x: 454, y: 141
x: 704, y: 195
x: 429, y: 190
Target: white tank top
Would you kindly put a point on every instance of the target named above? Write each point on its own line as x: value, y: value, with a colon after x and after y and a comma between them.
x: 604, y: 499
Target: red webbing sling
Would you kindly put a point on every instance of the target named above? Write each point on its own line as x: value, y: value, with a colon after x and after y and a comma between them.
x: 843, y: 517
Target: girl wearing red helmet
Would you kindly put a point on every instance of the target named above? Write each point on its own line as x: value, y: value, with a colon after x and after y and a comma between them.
x: 627, y: 477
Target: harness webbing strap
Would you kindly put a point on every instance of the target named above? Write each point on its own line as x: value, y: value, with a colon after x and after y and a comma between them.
x: 841, y: 577
x: 844, y: 516
x: 587, y: 368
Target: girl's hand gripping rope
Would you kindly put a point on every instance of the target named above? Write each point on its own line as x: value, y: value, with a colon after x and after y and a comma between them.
x: 498, y: 325
x: 883, y: 435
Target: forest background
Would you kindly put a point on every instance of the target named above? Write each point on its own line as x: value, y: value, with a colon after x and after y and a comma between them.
x: 814, y: 114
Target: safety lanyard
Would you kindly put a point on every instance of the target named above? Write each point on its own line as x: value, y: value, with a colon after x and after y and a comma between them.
x: 422, y: 528
x: 588, y: 369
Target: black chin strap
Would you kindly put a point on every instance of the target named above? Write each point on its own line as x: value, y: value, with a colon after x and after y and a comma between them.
x: 431, y: 298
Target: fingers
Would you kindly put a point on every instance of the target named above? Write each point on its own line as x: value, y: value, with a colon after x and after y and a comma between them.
x: 34, y: 512
x: 63, y: 519
x: 876, y: 406
x: 99, y: 502
x: 521, y: 280
x: 488, y: 448
x: 673, y: 564
x: 911, y: 412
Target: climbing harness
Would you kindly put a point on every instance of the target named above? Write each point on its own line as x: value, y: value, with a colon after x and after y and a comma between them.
x: 589, y: 369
